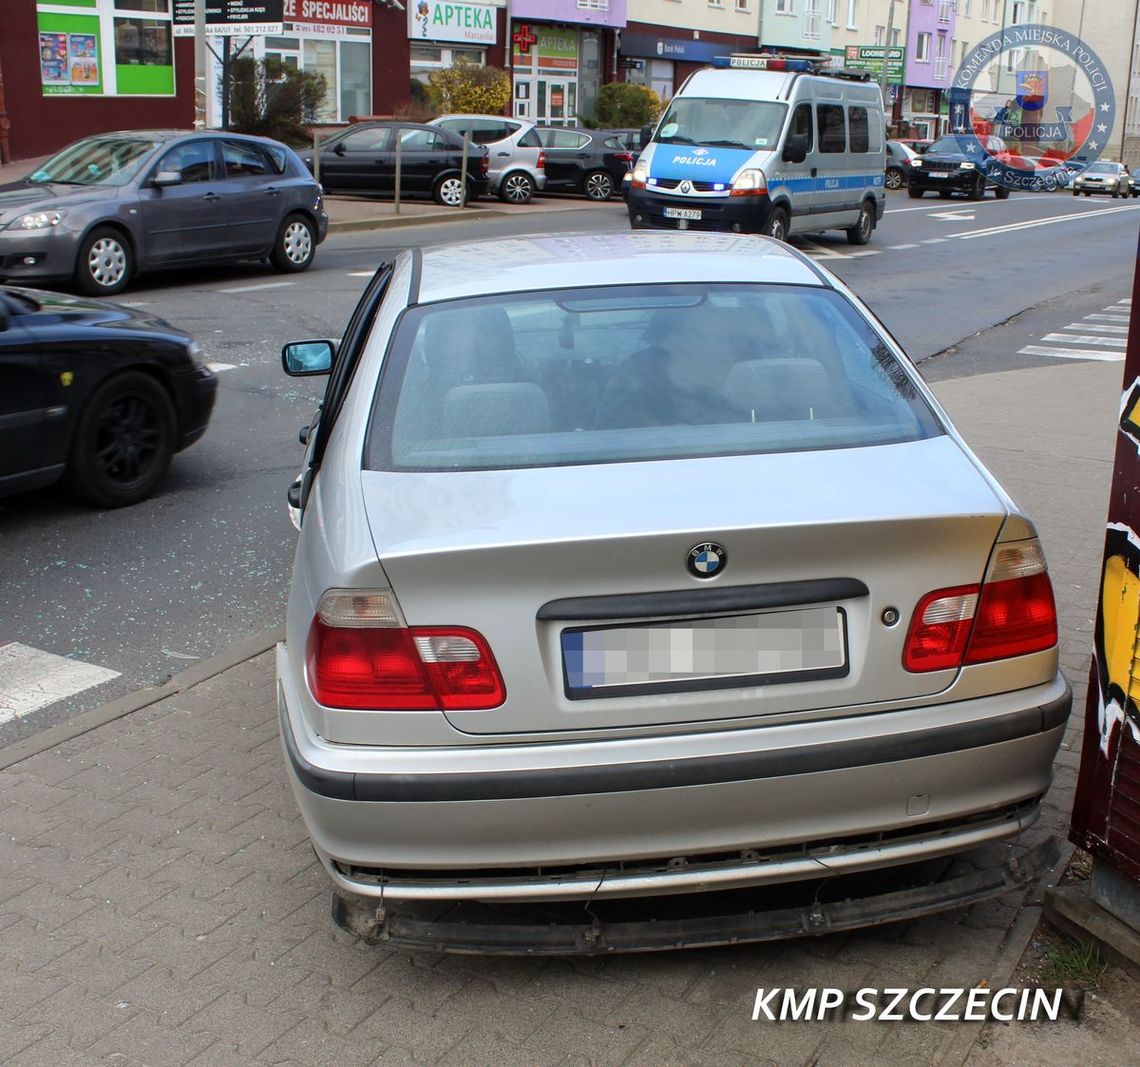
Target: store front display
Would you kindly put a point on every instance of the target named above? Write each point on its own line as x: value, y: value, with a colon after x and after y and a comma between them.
x: 441, y: 33
x: 105, y: 47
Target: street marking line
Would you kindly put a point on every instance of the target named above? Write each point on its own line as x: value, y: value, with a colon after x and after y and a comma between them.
x: 824, y: 253
x: 31, y: 679
x: 1099, y: 327
x: 1098, y: 316
x: 1073, y: 353
x: 361, y: 273
x: 864, y: 252
x: 217, y: 368
x: 934, y: 240
x: 954, y: 216
x: 993, y: 231
x: 900, y: 248
x: 255, y: 288
x: 1086, y: 339
x: 1116, y: 307
x: 135, y: 303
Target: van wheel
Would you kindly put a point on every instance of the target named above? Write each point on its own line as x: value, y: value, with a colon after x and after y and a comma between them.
x: 860, y: 233
x: 978, y: 189
x: 915, y: 194
x: 1001, y: 192
x: 777, y: 225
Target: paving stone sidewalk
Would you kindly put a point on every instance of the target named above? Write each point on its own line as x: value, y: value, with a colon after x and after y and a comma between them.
x: 159, y: 903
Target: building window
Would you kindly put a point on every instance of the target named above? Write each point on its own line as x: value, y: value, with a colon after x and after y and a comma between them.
x: 785, y: 7
x: 922, y: 48
x: 896, y: 35
x: 880, y: 33
x: 811, y: 20
x: 594, y: 5
x: 942, y: 61
x: 741, y: 5
x: 945, y: 9
x: 852, y: 14
x: 833, y: 12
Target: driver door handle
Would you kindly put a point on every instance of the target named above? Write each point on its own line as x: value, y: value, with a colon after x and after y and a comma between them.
x: 813, y: 171
x: 272, y: 191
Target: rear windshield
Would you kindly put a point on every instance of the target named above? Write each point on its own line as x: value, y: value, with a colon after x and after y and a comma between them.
x: 637, y: 373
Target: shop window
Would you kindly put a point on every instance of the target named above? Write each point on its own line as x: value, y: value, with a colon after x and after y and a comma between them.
x: 355, y: 79
x: 319, y: 57
x: 143, y: 42
x: 832, y: 134
x: 158, y: 6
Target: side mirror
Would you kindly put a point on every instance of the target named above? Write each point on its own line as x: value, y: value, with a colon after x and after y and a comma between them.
x: 644, y: 135
x: 302, y: 359
x: 339, y: 149
x: 167, y: 177
x: 795, y: 148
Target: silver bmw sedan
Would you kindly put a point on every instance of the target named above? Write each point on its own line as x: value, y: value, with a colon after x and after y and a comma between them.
x: 637, y: 565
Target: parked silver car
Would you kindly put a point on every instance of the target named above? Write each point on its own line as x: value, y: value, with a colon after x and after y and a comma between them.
x: 116, y: 204
x: 644, y: 564
x: 517, y: 161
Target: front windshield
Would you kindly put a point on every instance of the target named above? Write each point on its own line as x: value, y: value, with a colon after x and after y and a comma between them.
x: 722, y: 123
x: 945, y: 146
x: 95, y: 161
x: 1103, y: 168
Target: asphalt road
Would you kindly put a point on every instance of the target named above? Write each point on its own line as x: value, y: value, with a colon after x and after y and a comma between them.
x: 150, y: 590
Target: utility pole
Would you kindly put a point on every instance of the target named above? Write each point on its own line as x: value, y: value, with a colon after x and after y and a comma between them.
x: 199, y: 64
x: 884, y: 79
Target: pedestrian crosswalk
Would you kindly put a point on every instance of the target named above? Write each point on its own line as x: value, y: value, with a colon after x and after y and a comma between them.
x: 31, y: 679
x: 1100, y: 335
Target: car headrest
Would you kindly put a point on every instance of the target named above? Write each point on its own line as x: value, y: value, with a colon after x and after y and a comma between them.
x: 774, y: 390
x: 494, y: 410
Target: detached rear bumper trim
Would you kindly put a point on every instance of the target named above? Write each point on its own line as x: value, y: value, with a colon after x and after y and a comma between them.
x: 668, y: 774
x: 492, y: 931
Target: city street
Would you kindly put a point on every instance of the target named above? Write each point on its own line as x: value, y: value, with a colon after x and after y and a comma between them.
x: 146, y: 592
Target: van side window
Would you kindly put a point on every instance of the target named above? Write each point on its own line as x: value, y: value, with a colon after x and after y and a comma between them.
x: 801, y: 124
x: 832, y: 131
x: 860, y: 129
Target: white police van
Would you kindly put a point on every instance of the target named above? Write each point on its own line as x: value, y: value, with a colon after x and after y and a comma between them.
x: 761, y: 144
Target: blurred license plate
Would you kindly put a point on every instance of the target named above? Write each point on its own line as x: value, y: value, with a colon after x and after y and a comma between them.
x: 682, y: 213
x: 706, y: 653
x: 937, y: 174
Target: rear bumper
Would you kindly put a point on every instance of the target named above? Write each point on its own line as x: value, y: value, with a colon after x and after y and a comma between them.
x: 482, y: 821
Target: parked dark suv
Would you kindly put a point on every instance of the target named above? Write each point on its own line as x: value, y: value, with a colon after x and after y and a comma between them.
x: 362, y: 158
x: 592, y: 162
x: 946, y: 168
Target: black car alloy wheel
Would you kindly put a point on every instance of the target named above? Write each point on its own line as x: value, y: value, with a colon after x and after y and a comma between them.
x: 894, y: 178
x: 598, y: 185
x: 124, y: 441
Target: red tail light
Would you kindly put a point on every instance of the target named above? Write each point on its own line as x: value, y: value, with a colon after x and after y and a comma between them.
x: 484, y: 165
x: 541, y: 164
x: 1011, y: 614
x: 624, y: 157
x: 360, y: 655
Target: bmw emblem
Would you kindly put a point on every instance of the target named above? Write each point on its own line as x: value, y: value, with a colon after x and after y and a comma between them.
x: 707, y: 560
x: 686, y: 186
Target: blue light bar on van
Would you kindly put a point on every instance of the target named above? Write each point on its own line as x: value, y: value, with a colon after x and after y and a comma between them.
x: 744, y: 62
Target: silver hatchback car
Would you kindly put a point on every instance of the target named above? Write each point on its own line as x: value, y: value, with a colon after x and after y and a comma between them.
x: 645, y: 564
x: 517, y: 160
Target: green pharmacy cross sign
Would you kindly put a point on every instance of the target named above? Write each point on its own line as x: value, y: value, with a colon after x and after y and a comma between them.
x: 870, y: 57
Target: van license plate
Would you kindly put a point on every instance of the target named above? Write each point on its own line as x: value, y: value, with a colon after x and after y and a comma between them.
x: 699, y: 653
x: 682, y: 213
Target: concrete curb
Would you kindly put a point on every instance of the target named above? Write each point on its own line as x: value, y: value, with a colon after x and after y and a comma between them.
x: 461, y: 215
x: 243, y: 650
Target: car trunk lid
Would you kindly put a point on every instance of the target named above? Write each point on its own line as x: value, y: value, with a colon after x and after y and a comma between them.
x: 552, y: 565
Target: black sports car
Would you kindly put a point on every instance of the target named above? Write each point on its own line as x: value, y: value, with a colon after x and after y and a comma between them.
x: 95, y: 394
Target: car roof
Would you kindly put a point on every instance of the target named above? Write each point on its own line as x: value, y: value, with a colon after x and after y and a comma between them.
x: 572, y: 260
